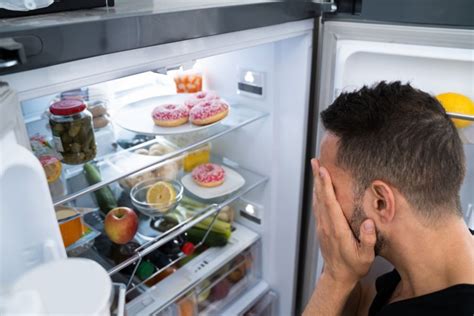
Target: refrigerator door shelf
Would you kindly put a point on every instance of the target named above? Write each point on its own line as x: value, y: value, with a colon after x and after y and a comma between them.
x: 183, y: 280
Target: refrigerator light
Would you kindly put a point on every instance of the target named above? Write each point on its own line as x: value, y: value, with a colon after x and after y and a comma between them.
x: 251, y: 83
x: 250, y: 209
x: 249, y: 77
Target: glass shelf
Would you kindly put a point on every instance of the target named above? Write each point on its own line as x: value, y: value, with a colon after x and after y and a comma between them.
x: 188, y: 217
x: 125, y: 162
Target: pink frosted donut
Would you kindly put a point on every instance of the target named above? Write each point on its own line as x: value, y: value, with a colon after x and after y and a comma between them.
x: 199, y: 97
x: 208, y: 112
x: 169, y: 115
x: 208, y: 175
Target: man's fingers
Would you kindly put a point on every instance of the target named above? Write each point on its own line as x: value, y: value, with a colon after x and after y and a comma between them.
x: 325, y: 184
x: 315, y: 166
x: 367, y: 238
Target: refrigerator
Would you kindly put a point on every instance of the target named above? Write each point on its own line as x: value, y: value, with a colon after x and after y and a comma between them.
x: 277, y: 78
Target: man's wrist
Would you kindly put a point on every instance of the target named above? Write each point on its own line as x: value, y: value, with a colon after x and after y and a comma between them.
x: 337, y: 285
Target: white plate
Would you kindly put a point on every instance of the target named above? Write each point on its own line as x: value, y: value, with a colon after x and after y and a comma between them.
x: 232, y: 182
x: 136, y: 117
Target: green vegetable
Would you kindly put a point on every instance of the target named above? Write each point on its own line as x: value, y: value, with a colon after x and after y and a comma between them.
x: 191, y: 205
x: 195, y: 235
x: 104, y: 196
x: 218, y: 226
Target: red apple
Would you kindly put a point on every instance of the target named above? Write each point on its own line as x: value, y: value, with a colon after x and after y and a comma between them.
x: 121, y: 224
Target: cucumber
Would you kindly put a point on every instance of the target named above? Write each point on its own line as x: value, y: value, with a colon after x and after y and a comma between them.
x: 195, y: 235
x: 104, y: 196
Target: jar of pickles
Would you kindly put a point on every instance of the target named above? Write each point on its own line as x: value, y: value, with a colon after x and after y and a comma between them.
x: 73, y: 133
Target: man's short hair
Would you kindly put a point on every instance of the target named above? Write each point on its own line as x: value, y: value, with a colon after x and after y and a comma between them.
x: 403, y: 136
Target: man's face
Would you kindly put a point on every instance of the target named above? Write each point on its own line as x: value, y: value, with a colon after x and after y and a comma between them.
x: 344, y: 187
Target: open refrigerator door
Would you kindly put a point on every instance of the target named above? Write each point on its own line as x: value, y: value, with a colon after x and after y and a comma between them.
x: 435, y: 60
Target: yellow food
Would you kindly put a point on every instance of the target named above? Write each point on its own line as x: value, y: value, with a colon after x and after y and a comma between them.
x: 457, y: 103
x: 52, y: 169
x: 197, y: 157
x: 161, y: 194
x: 71, y: 230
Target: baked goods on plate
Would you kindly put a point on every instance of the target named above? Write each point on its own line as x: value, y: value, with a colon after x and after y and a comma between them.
x: 208, y: 112
x: 170, y: 115
x: 208, y: 175
x: 162, y: 116
x: 233, y: 181
x: 200, y: 97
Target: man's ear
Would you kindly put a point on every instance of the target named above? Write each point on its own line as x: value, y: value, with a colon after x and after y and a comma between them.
x: 382, y: 200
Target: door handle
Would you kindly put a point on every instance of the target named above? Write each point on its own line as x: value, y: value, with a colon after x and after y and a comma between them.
x: 324, y: 6
x: 12, y: 53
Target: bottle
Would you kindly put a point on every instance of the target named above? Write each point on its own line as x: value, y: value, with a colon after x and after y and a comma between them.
x: 29, y: 231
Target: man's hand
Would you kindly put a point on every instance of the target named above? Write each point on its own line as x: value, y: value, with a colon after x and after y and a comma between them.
x: 346, y: 260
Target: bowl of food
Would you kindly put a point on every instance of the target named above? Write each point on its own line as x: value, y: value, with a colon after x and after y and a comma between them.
x: 156, y: 197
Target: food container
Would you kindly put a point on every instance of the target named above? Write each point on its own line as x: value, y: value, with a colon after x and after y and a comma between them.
x: 140, y: 157
x: 69, y: 286
x: 73, y: 133
x: 98, y: 109
x: 70, y: 224
x: 227, y: 283
x: 196, y: 157
x: 138, y: 194
x: 188, y: 81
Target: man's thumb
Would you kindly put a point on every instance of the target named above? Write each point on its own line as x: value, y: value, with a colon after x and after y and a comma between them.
x: 367, y: 237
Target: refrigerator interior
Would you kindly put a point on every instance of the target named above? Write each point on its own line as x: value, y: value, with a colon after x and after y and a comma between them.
x: 268, y: 150
x: 431, y: 59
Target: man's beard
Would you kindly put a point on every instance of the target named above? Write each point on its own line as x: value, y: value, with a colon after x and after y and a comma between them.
x: 357, y: 218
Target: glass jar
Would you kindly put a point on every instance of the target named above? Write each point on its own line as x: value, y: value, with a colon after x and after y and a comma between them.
x: 73, y: 133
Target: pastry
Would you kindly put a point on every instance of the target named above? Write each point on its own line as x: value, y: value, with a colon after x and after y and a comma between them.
x: 208, y: 175
x: 208, y: 112
x: 199, y: 97
x: 170, y: 115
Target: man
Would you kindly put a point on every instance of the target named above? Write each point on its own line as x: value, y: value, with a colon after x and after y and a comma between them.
x: 387, y: 183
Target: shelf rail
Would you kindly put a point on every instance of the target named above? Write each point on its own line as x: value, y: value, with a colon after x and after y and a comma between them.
x: 155, y: 243
x: 181, y: 256
x: 461, y: 116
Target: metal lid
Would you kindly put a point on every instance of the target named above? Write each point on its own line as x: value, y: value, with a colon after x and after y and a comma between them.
x: 67, y: 107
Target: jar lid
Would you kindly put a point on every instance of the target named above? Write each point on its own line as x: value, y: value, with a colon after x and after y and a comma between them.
x: 67, y: 107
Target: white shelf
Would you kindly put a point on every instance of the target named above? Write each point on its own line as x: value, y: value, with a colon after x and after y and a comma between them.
x: 198, y: 269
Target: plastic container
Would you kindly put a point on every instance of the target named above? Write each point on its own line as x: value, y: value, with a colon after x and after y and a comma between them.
x: 84, y: 287
x: 227, y: 283
x: 196, y: 157
x: 167, y: 171
x: 266, y: 306
x: 70, y: 224
x: 73, y: 133
x: 188, y: 81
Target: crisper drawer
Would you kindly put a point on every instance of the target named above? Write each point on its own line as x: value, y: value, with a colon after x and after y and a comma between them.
x: 228, y: 283
x: 214, y: 293
x: 266, y: 306
x: 189, y: 288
